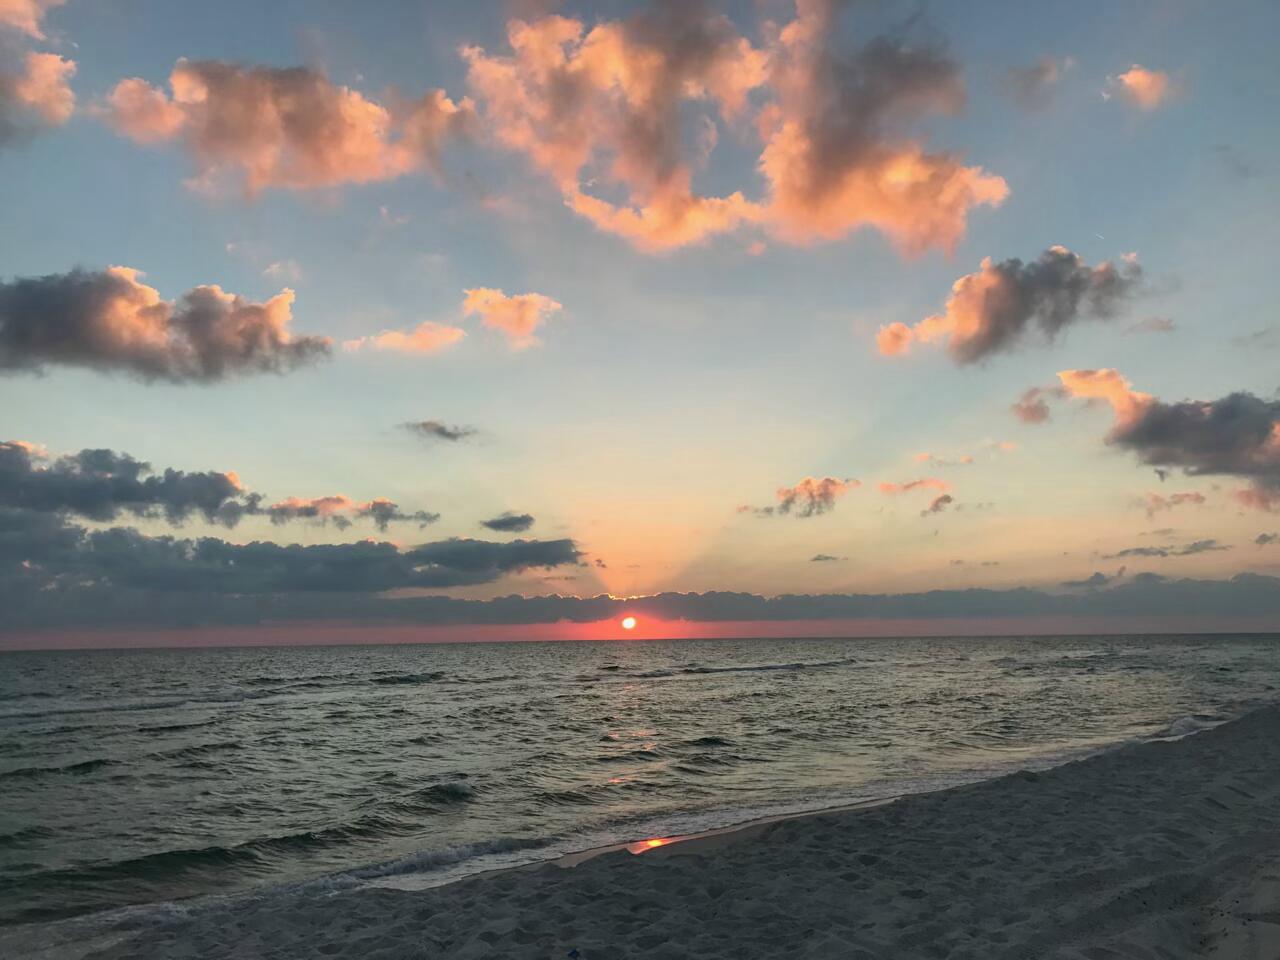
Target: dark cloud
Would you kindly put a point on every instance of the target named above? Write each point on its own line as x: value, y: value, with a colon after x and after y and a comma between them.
x: 1098, y: 579
x: 1033, y: 405
x: 1265, y: 338
x: 102, y: 484
x: 435, y: 430
x: 109, y: 320
x: 1032, y: 87
x: 1185, y: 550
x: 993, y: 310
x: 938, y: 504
x: 1152, y: 325
x: 1235, y: 436
x: 825, y: 558
x: 1263, y: 539
x: 509, y: 522
x: 44, y: 552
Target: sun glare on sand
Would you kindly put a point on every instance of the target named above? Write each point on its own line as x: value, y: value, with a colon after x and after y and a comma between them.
x: 628, y: 623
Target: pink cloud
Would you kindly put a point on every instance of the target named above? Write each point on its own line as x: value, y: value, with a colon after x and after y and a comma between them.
x: 289, y: 128
x: 41, y: 91
x: 427, y: 337
x: 1146, y: 89
x: 27, y: 16
x: 831, y: 158
x: 1110, y: 387
x: 606, y: 104
x: 925, y: 483
x: 518, y: 316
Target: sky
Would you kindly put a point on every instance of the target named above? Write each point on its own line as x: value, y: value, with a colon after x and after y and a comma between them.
x: 316, y: 313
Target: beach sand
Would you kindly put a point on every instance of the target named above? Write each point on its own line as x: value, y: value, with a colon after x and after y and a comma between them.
x: 1151, y: 851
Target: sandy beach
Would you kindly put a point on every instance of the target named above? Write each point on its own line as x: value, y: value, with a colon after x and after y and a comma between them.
x: 1152, y: 851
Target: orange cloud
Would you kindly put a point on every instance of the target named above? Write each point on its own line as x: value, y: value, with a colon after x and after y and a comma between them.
x: 289, y: 128
x: 813, y: 496
x: 992, y: 310
x: 1258, y: 498
x: 41, y: 90
x: 925, y: 483
x: 517, y: 316
x: 831, y: 159
x: 1146, y: 89
x: 27, y: 16
x: 1110, y: 387
x: 427, y: 337
x: 606, y: 105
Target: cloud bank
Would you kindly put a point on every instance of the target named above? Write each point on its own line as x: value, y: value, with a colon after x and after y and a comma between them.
x: 108, y: 320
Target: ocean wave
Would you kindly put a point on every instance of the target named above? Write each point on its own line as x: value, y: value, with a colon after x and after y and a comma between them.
x: 409, y: 678
x: 698, y: 670
x: 426, y: 860
x: 80, y: 767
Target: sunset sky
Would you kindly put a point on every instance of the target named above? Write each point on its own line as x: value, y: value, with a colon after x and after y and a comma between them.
x: 616, y: 298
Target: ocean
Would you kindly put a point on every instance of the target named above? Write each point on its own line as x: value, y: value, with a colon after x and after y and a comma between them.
x: 149, y: 776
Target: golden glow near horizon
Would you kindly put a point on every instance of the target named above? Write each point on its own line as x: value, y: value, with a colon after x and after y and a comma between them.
x: 628, y: 623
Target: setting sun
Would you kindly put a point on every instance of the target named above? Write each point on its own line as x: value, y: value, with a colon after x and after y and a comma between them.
x: 628, y: 623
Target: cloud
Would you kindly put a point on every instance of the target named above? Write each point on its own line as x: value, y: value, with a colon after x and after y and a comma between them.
x: 811, y: 496
x: 36, y: 553
x: 1237, y: 435
x: 342, y: 511
x: 36, y: 96
x: 436, y: 430
x: 993, y: 310
x: 1152, y: 325
x: 610, y: 105
x: 27, y: 16
x: 1032, y: 407
x: 1098, y: 579
x: 509, y: 522
x: 924, y: 483
x: 1186, y: 550
x: 1157, y: 503
x: 100, y: 485
x: 835, y: 156
x: 1264, y: 539
x: 825, y: 558
x: 1033, y: 86
x: 1146, y: 89
x: 518, y: 316
x: 53, y: 575
x: 285, y: 127
x: 109, y: 320
x: 934, y: 460
x: 1265, y: 338
x: 606, y: 103
x: 427, y: 337
x: 938, y: 504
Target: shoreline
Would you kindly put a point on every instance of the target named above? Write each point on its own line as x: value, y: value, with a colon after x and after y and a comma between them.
x: 1154, y: 843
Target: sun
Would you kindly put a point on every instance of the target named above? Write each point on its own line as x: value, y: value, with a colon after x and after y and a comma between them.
x: 628, y: 623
